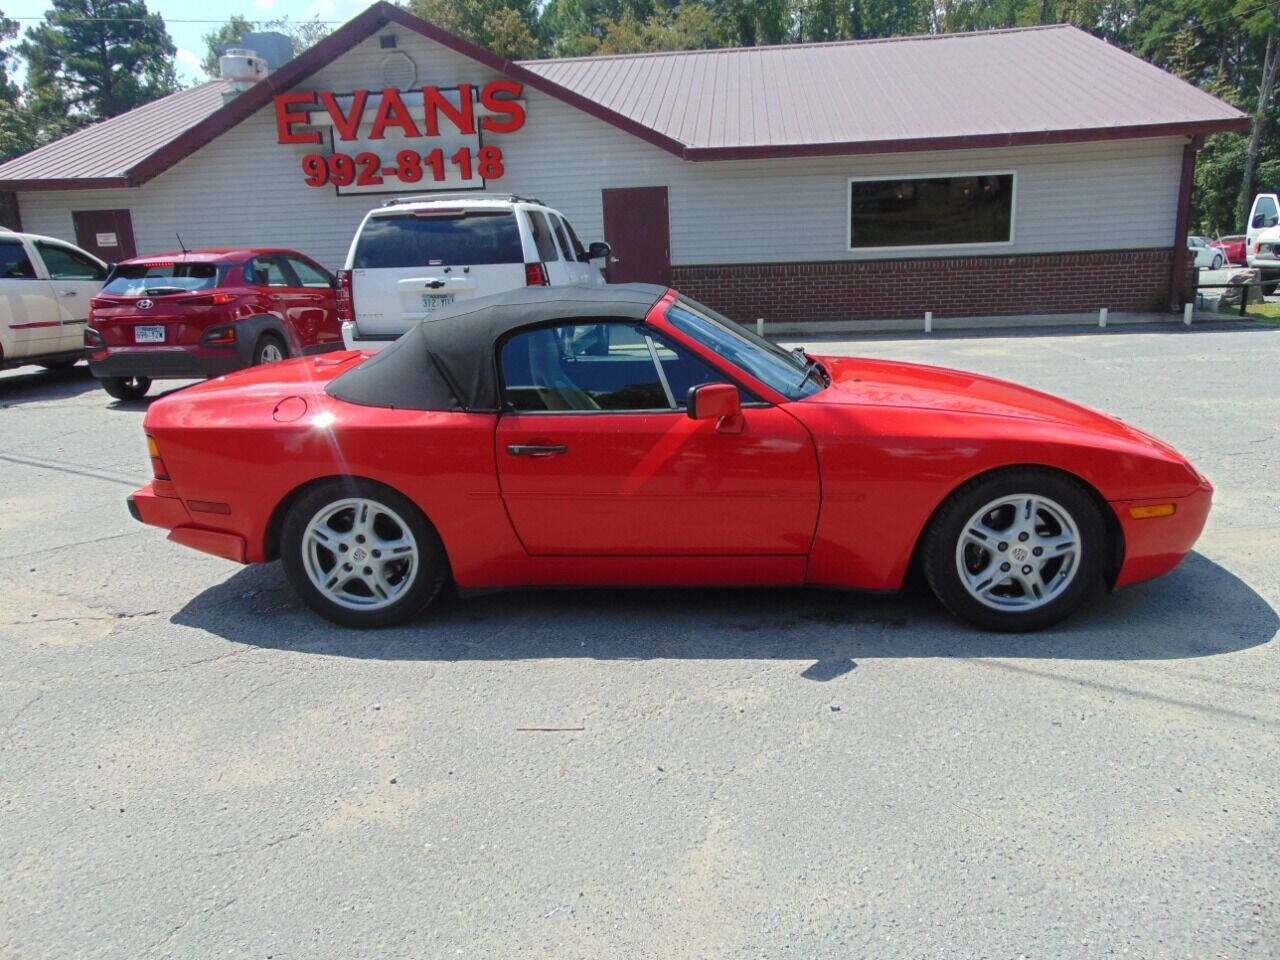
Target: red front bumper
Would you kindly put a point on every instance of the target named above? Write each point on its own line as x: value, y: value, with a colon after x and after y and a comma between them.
x: 171, y: 513
x: 1154, y: 546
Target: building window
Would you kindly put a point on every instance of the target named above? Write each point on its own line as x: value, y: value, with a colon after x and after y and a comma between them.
x: 930, y: 211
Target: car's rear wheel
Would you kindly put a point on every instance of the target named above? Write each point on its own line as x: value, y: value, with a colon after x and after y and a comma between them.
x: 269, y: 349
x: 126, y: 388
x: 361, y: 554
x: 1217, y: 262
x: 1016, y: 550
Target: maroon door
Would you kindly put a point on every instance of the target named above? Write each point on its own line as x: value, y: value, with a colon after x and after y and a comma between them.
x: 636, y: 226
x: 107, y: 234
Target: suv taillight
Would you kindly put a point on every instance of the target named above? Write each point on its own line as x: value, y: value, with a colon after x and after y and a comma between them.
x: 343, y: 298
x: 535, y: 275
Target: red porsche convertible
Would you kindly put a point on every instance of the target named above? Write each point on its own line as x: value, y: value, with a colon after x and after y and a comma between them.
x: 627, y: 435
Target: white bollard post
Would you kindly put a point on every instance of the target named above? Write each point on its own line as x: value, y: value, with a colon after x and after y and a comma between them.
x: 1102, y: 317
x: 928, y: 321
x: 760, y: 326
x: 1186, y: 313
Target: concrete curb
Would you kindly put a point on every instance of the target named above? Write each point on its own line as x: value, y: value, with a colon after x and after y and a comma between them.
x: 917, y: 325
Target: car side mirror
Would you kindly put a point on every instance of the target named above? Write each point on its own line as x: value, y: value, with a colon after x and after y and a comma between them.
x: 599, y: 250
x: 1259, y: 220
x: 716, y: 401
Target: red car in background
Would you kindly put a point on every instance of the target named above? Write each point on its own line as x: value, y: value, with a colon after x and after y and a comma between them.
x: 203, y: 313
x: 1232, y: 248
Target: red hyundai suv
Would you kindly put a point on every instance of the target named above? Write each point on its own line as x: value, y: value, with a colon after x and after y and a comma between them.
x: 202, y: 313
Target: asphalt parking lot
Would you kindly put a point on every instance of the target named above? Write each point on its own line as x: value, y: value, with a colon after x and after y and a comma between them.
x: 192, y: 765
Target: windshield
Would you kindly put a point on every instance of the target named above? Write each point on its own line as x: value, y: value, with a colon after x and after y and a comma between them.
x: 140, y: 279
x: 423, y: 239
x: 783, y: 371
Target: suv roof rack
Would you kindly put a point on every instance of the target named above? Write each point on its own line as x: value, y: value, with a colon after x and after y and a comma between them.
x: 446, y: 196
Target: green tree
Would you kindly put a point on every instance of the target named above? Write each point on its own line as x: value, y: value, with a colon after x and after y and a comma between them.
x: 99, y: 57
x: 226, y: 35
x: 486, y: 22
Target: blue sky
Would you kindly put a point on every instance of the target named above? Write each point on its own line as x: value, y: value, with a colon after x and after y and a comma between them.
x: 187, y: 35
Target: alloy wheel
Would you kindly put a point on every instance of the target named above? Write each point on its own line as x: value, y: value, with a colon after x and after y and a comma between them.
x: 360, y: 554
x: 1018, y: 552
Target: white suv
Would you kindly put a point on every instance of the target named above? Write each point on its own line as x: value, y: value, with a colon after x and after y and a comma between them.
x: 1262, y: 239
x: 45, y: 288
x: 417, y: 254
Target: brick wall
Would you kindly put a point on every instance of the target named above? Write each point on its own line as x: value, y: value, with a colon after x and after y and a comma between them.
x: 1136, y: 280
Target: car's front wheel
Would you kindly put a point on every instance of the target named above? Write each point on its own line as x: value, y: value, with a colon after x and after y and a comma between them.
x: 1016, y: 550
x: 126, y: 388
x: 361, y: 554
x: 269, y: 349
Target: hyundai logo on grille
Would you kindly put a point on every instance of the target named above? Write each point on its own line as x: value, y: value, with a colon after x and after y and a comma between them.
x: 146, y: 304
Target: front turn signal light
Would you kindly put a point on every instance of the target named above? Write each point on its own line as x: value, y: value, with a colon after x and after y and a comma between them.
x: 157, y: 465
x: 1152, y: 510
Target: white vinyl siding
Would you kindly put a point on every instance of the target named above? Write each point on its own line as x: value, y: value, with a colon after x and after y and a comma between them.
x: 245, y: 189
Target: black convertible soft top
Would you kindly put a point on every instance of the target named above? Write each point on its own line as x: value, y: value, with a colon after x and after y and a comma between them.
x: 448, y: 361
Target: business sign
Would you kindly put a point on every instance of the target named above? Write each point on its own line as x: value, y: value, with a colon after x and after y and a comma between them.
x: 384, y: 141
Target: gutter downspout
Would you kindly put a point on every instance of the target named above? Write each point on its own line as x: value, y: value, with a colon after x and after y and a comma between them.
x: 1177, y: 277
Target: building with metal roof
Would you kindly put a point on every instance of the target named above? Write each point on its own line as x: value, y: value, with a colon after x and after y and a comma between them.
x: 1035, y: 170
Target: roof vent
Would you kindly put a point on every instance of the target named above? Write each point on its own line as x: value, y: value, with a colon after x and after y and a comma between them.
x: 241, y: 68
x: 271, y: 45
x: 398, y: 70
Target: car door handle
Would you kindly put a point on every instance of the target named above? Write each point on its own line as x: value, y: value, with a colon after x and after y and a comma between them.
x: 68, y: 293
x: 535, y: 449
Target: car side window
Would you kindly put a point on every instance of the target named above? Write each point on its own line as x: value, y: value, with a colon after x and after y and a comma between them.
x: 14, y: 262
x: 267, y: 272
x: 557, y: 225
x: 684, y: 370
x: 542, y: 237
x: 1265, y: 213
x: 583, y: 367
x: 579, y: 251
x: 64, y: 263
x: 309, y: 275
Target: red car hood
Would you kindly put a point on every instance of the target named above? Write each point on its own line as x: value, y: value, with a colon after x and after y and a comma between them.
x: 886, y: 383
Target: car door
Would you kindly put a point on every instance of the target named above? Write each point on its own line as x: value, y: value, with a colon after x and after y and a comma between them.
x: 597, y: 456
x: 29, y: 315
x: 75, y: 277
x: 312, y: 307
x: 276, y: 285
x: 1264, y: 215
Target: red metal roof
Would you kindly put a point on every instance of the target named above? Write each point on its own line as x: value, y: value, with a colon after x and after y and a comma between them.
x: 101, y: 155
x: 1002, y: 86
x: 1033, y: 85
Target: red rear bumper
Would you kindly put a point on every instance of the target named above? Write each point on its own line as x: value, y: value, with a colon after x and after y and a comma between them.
x: 171, y: 513
x: 1154, y: 546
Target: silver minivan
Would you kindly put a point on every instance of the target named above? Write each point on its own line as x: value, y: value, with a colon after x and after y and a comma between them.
x: 415, y: 255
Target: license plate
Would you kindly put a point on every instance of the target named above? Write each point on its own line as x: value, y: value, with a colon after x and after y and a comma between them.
x: 148, y: 334
x: 434, y: 301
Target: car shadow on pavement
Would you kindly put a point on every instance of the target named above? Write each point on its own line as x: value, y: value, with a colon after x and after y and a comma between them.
x: 34, y: 385
x: 1201, y: 609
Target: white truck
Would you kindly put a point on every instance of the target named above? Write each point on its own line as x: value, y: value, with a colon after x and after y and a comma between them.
x: 1262, y: 240
x: 418, y: 254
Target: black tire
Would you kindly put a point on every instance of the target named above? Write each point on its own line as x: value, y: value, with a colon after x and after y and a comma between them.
x: 1217, y: 262
x: 126, y: 388
x: 1269, y: 289
x: 430, y: 574
x: 59, y: 364
x: 941, y: 555
x: 263, y: 349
